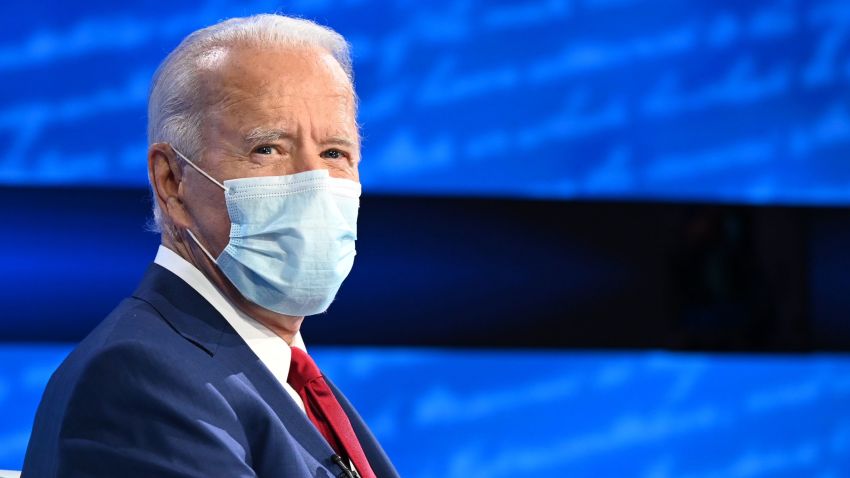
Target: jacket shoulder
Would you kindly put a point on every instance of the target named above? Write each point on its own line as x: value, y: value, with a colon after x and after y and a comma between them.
x: 131, y: 393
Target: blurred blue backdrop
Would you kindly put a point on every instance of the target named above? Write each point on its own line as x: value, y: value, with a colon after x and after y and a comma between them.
x: 738, y: 101
x: 741, y: 102
x: 491, y: 414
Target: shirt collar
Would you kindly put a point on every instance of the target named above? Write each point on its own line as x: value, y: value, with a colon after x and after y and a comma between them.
x: 272, y: 350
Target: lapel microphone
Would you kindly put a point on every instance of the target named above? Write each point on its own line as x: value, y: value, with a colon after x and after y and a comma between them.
x: 346, y: 472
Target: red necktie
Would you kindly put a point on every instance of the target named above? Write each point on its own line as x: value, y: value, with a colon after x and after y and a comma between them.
x: 324, y: 410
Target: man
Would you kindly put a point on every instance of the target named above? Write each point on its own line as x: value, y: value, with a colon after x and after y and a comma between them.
x: 253, y: 164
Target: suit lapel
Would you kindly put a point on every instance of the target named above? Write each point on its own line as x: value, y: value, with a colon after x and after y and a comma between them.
x: 191, y: 316
x: 236, y: 355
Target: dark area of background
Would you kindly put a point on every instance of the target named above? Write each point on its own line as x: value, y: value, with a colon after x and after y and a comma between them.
x: 482, y: 272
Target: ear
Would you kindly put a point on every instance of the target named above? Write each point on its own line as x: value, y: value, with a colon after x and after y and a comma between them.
x: 165, y: 176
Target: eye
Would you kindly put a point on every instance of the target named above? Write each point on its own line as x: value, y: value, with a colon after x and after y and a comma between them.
x: 264, y: 150
x: 334, y: 154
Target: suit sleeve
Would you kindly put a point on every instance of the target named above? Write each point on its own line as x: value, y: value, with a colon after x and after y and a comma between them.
x: 137, y: 412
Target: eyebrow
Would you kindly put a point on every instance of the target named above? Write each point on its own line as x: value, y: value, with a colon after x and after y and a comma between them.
x: 340, y: 141
x: 264, y: 135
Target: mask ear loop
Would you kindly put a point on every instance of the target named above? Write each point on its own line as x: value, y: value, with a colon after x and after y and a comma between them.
x: 192, y: 235
x: 201, y: 246
x: 198, y: 169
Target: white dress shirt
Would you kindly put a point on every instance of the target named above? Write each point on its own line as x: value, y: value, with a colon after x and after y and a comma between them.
x: 272, y: 350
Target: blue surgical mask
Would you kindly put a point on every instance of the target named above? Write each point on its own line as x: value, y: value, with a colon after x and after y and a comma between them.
x: 291, y: 238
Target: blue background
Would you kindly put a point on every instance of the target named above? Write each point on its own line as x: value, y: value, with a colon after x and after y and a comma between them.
x: 699, y: 100
x: 733, y: 102
x: 489, y: 414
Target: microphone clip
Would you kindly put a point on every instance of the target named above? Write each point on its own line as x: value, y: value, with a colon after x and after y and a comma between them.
x: 346, y: 471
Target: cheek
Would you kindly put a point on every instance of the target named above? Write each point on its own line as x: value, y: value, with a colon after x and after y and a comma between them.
x: 209, y: 212
x: 220, y: 225
x: 344, y: 170
x: 216, y: 230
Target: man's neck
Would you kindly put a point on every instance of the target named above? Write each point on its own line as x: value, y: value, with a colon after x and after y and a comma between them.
x: 285, y: 326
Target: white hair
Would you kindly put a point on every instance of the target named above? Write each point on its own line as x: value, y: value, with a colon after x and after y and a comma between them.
x: 175, y: 111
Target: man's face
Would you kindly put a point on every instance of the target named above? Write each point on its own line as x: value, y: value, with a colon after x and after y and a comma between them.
x: 270, y: 113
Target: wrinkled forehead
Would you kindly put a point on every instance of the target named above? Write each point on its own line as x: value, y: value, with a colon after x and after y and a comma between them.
x: 230, y: 76
x: 275, y: 88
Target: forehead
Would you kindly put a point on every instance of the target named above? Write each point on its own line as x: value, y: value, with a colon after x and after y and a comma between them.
x: 285, y: 85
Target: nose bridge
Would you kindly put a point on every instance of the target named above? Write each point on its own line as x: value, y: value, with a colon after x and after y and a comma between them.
x: 307, y: 159
x: 307, y: 151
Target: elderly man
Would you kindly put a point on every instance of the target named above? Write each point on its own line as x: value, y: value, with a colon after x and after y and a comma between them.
x: 253, y: 164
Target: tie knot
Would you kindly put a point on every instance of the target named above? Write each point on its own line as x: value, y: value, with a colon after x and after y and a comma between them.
x: 302, y: 369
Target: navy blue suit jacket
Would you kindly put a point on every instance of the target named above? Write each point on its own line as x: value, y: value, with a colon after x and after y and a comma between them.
x: 164, y: 387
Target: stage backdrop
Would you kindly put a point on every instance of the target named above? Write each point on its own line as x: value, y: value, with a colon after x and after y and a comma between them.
x: 490, y: 414
x: 698, y: 100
